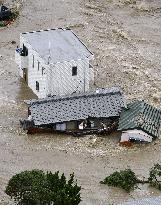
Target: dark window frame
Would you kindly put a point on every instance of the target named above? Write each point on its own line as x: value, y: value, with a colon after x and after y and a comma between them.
x: 37, y: 86
x: 43, y: 70
x: 74, y: 70
x: 38, y: 65
x: 33, y: 61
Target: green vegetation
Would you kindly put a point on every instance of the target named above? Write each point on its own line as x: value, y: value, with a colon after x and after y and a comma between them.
x: 154, y: 175
x: 125, y: 179
x: 38, y: 188
x: 10, y: 19
x: 2, y: 24
x: 14, y: 14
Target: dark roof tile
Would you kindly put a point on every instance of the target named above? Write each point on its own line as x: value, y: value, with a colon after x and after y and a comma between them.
x: 105, y: 103
x: 141, y: 115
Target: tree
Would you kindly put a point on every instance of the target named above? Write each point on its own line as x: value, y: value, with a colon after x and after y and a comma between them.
x: 125, y: 179
x: 154, y: 176
x: 38, y: 188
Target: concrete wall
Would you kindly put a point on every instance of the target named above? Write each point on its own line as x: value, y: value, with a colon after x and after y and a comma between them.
x: 35, y: 73
x: 57, y: 78
x: 61, y: 82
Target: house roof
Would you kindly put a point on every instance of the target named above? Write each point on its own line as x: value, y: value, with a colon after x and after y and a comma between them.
x: 148, y: 201
x: 60, y: 44
x: 103, y: 103
x: 140, y: 115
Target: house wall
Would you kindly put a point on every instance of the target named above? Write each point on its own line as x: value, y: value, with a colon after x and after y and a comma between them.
x: 61, y: 82
x: 35, y: 73
x: 57, y: 78
x: 73, y: 125
x: 100, y: 122
x: 137, y: 134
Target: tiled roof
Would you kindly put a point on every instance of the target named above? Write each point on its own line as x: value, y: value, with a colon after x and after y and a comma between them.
x: 148, y: 201
x: 104, y: 103
x: 140, y: 115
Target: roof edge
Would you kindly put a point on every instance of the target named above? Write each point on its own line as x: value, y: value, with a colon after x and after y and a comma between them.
x: 97, y: 92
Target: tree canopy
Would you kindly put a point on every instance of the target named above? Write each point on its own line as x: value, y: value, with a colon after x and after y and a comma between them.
x: 155, y: 176
x: 125, y: 179
x: 38, y: 188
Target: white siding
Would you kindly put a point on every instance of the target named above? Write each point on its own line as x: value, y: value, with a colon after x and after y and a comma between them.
x: 61, y: 82
x: 57, y: 79
x: 33, y: 73
x: 137, y: 134
x: 22, y: 61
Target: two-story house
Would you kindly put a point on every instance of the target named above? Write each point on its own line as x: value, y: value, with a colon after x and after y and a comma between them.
x: 54, y: 62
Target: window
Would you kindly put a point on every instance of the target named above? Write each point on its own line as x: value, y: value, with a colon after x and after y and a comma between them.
x: 37, y: 85
x: 24, y: 51
x: 38, y: 65
x: 43, y: 70
x: 33, y: 61
x: 74, y: 70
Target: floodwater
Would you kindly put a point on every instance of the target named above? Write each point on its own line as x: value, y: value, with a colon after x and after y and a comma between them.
x: 125, y: 38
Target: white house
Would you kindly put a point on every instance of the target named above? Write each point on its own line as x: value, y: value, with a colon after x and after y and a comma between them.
x: 54, y: 62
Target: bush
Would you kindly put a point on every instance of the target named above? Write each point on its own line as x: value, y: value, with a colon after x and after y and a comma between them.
x: 154, y: 175
x: 38, y: 188
x: 14, y: 14
x: 2, y: 23
x: 125, y: 179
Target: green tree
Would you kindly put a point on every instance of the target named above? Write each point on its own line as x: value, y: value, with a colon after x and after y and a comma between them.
x: 125, y: 179
x: 38, y: 188
x: 155, y: 176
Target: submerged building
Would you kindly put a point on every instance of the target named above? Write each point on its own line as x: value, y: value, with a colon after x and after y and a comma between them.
x: 54, y: 62
x: 139, y: 122
x: 64, y: 113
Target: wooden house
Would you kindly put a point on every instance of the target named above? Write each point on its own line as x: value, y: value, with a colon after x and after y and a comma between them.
x: 54, y: 62
x: 67, y: 113
x: 139, y: 122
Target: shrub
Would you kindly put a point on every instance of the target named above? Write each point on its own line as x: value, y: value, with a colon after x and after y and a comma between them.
x: 125, y: 179
x: 2, y: 23
x: 14, y: 14
x: 154, y: 175
x: 38, y: 188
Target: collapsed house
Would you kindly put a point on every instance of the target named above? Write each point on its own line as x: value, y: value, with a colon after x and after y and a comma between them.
x: 139, y: 122
x: 92, y: 111
x: 54, y: 62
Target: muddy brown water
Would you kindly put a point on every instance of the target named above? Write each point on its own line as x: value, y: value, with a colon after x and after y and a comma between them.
x: 125, y: 39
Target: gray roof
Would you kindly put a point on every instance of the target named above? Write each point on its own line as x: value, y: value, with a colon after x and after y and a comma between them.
x: 63, y: 44
x: 102, y: 104
x: 140, y: 115
x: 148, y: 201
